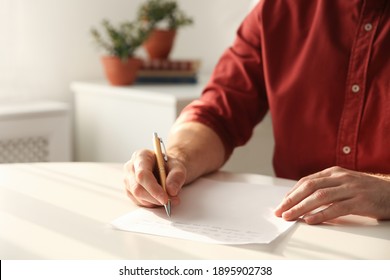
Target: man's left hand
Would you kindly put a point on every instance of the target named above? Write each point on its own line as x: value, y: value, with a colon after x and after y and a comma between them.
x: 336, y: 192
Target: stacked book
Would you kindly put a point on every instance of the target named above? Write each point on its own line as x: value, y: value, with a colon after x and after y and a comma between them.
x: 168, y: 71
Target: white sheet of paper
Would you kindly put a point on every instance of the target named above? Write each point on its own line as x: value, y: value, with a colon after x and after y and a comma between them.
x: 215, y: 212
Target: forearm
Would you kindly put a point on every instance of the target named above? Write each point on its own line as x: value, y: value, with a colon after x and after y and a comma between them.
x: 198, y: 147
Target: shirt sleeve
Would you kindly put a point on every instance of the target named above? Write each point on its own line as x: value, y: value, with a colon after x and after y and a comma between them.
x: 234, y: 100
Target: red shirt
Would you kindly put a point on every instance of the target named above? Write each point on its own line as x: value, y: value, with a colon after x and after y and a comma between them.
x: 322, y: 69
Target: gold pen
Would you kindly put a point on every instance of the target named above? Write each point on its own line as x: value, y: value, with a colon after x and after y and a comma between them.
x: 161, y: 159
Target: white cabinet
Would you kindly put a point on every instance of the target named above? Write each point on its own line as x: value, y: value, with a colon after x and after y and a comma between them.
x: 112, y: 122
x: 34, y: 131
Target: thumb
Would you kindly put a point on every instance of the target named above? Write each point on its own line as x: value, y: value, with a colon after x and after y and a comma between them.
x: 176, y: 177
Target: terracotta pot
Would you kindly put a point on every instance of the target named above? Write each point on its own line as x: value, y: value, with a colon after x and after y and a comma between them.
x: 120, y: 73
x: 159, y: 43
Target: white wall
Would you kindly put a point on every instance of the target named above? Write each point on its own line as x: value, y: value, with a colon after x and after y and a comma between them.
x: 45, y: 44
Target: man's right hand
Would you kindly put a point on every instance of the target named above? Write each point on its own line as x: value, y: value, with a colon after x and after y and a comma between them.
x: 141, y: 183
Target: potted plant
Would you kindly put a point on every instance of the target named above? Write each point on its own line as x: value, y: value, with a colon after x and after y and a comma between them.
x: 120, y: 43
x: 163, y: 18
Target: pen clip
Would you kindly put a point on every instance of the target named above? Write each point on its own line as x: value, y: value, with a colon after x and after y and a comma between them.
x: 164, y: 150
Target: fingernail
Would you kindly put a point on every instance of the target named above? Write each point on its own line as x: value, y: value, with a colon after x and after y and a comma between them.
x: 174, y: 189
x: 277, y: 213
x: 286, y: 215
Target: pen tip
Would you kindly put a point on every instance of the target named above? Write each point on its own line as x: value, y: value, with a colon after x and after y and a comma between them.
x: 168, y: 208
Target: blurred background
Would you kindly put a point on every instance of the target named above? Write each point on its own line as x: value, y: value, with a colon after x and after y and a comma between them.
x: 46, y: 47
x: 46, y: 44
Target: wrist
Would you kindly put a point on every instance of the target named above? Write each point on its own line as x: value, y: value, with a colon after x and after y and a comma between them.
x: 381, y: 176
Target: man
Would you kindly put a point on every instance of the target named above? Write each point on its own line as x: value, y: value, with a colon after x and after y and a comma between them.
x: 322, y: 69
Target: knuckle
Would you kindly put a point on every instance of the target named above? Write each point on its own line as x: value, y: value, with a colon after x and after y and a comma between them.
x: 128, y: 169
x: 303, y: 180
x: 139, y: 156
x: 321, y: 216
x: 299, y: 207
x: 310, y: 186
x: 128, y: 165
x: 321, y: 195
x: 134, y: 155
x: 140, y: 175
x: 288, y: 201
x: 144, y: 153
x: 335, y: 169
x: 345, y: 177
x: 340, y: 172
x: 137, y: 190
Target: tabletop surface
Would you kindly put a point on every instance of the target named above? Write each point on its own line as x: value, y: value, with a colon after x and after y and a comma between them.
x: 64, y: 210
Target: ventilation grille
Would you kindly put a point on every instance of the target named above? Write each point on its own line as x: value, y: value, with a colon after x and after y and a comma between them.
x: 29, y: 149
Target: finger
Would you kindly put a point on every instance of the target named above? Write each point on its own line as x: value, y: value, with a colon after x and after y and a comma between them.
x: 328, y: 172
x: 143, y: 159
x: 175, y: 200
x: 140, y: 179
x: 176, y: 177
x: 304, y: 189
x: 141, y: 194
x: 139, y: 202
x: 147, y: 201
x: 144, y: 178
x: 318, y: 199
x: 147, y: 188
x: 335, y: 210
x: 128, y: 167
x: 138, y: 194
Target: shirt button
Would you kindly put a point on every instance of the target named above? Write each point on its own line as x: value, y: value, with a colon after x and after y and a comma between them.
x: 368, y: 27
x: 346, y: 150
x: 355, y: 88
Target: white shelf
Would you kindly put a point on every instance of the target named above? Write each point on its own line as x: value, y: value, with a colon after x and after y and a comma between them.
x: 148, y: 93
x: 25, y: 109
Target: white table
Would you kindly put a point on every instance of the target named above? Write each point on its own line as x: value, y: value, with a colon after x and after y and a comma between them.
x: 63, y: 211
